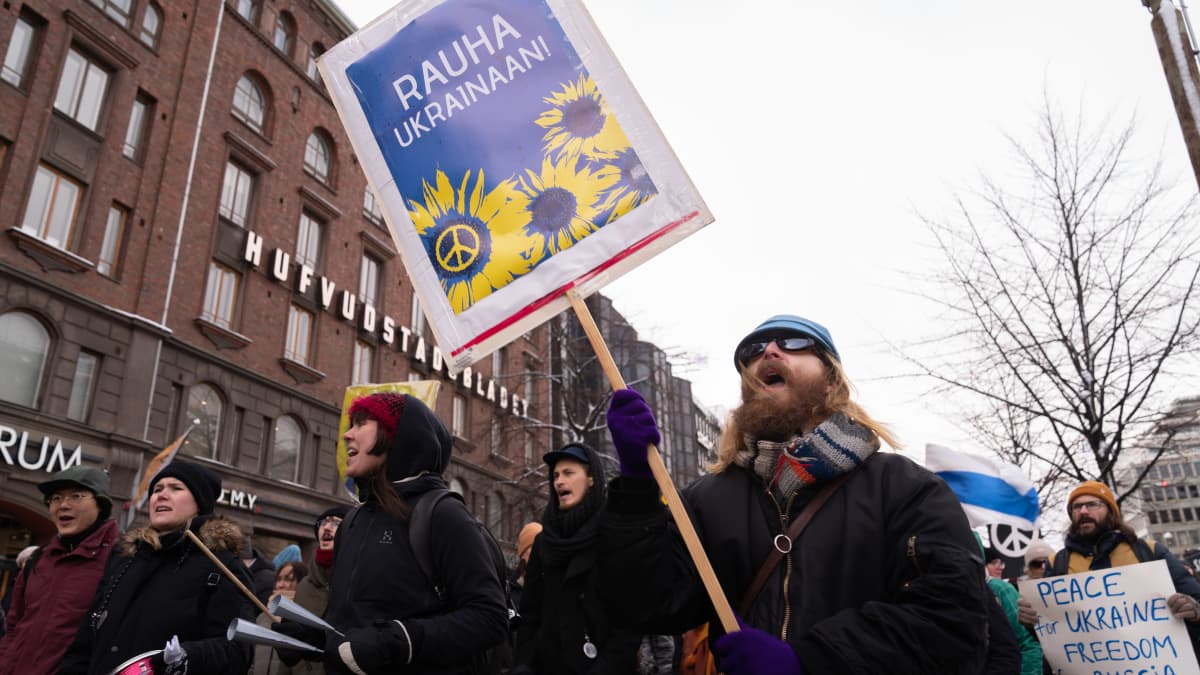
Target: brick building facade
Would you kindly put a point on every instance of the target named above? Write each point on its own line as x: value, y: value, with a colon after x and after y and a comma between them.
x: 187, y: 241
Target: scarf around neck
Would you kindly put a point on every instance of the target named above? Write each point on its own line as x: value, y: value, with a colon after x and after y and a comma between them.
x: 837, y: 446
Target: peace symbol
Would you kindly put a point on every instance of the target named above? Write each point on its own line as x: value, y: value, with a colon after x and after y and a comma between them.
x: 1010, y: 540
x: 457, y: 247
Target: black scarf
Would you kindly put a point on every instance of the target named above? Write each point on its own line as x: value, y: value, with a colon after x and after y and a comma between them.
x: 565, y: 533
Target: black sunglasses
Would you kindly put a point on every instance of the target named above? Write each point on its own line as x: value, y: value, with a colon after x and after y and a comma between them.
x: 1041, y: 562
x: 794, y: 343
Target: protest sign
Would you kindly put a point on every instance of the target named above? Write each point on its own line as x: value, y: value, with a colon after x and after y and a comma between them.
x: 512, y: 158
x: 425, y: 390
x: 1111, y: 621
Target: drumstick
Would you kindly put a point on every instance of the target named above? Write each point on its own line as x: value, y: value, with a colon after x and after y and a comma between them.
x: 226, y: 572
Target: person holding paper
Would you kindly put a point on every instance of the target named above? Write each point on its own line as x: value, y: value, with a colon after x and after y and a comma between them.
x: 886, y: 576
x: 1100, y: 539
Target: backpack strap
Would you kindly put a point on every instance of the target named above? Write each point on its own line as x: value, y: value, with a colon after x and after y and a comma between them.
x: 420, y: 525
x: 1143, y: 549
x: 28, y: 569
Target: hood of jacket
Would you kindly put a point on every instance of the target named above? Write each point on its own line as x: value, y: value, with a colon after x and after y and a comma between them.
x: 422, y: 443
x: 217, y: 533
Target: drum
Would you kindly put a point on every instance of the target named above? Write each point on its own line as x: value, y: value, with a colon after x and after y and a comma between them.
x: 138, y: 664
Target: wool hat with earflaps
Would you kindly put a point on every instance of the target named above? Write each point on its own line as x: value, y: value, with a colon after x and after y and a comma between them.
x: 201, y: 481
x: 1099, y: 491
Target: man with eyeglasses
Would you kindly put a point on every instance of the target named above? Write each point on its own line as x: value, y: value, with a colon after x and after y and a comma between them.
x: 312, y: 593
x: 886, y: 577
x: 55, y: 588
x: 1100, y: 539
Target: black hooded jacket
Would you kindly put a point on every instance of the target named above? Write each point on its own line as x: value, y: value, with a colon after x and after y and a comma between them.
x: 376, y: 578
x: 561, y: 606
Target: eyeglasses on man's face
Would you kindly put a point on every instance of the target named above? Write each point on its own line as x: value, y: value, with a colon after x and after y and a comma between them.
x: 331, y: 521
x: 1086, y: 506
x: 752, y: 350
x: 69, y: 498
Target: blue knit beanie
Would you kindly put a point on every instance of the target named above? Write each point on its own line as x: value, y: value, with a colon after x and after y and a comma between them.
x: 782, y: 325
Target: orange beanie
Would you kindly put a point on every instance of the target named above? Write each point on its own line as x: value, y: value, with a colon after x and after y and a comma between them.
x: 1099, y: 491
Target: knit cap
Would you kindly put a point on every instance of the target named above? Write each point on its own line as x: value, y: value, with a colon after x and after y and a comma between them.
x: 1038, y: 549
x: 202, y: 482
x: 526, y: 537
x: 1099, y: 491
x: 340, y: 511
x: 784, y: 325
x: 384, y: 407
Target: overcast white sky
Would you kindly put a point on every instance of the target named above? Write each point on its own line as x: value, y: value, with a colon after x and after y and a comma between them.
x: 816, y: 132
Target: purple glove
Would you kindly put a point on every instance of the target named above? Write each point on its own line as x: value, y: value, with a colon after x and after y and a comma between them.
x: 751, y: 651
x: 632, y: 427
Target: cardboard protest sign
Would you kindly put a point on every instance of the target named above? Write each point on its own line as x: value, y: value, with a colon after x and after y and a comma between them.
x: 425, y: 390
x: 512, y: 159
x: 1111, y: 621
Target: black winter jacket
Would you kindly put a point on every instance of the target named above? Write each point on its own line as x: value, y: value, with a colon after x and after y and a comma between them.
x: 886, y: 578
x: 147, y: 596
x: 376, y: 578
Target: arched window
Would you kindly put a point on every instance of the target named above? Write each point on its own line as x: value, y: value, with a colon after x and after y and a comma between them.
x: 204, y: 411
x: 310, y: 67
x: 495, y: 514
x: 24, y: 345
x: 250, y: 104
x: 151, y: 25
x: 285, y: 449
x: 285, y: 33
x: 317, y: 156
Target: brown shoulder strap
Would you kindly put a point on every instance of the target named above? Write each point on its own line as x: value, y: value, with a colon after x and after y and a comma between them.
x: 779, y: 549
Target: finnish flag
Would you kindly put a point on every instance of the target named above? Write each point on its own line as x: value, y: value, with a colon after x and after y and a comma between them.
x: 990, y: 491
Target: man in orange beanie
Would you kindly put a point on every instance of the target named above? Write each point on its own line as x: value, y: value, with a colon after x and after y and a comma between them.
x: 1099, y: 539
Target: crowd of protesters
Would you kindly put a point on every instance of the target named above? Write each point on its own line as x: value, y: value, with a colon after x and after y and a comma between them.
x: 837, y: 557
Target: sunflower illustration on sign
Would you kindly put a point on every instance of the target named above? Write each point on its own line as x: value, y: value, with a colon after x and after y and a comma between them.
x: 474, y: 237
x: 579, y: 123
x: 632, y: 188
x: 565, y: 200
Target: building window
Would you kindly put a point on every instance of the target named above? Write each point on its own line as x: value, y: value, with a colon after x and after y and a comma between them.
x: 528, y: 448
x: 417, y: 318
x: 498, y: 363
x: 364, y: 362
x: 236, y: 192
x: 285, y: 33
x: 1153, y: 517
x: 24, y: 346
x: 81, y: 90
x: 368, y: 281
x: 135, y: 134
x: 458, y: 418
x: 151, y: 25
x: 118, y: 10
x: 249, y: 104
x: 457, y: 486
x: 310, y: 66
x: 82, y: 386
x: 114, y: 232
x: 204, y: 410
x: 248, y: 10
x: 220, y: 296
x: 495, y: 514
x: 316, y: 156
x: 20, y: 53
x: 308, y: 241
x: 285, y: 449
x: 53, y: 207
x: 371, y: 207
x: 299, y: 335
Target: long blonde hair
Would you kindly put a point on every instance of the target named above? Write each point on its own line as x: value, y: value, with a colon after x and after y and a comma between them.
x: 837, y: 400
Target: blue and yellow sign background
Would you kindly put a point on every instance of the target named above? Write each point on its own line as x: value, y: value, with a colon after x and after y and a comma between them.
x: 502, y: 146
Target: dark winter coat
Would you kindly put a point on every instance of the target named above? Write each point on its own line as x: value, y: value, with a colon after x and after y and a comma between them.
x: 149, y: 595
x: 562, y: 606
x: 886, y: 578
x: 376, y: 577
x: 262, y: 573
x: 50, y: 599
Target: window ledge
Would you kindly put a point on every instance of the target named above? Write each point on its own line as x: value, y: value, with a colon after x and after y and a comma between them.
x: 500, y: 459
x: 50, y: 257
x: 222, y: 337
x: 301, y: 373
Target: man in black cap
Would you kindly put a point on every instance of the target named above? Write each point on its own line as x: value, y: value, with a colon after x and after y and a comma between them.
x: 312, y: 593
x: 55, y: 589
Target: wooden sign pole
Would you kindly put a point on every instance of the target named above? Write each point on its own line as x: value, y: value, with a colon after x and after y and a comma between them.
x: 659, y: 469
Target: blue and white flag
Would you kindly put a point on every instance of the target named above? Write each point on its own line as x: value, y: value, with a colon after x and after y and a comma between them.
x: 990, y: 491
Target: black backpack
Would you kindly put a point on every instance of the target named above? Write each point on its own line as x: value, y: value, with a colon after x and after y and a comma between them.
x: 498, y: 658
